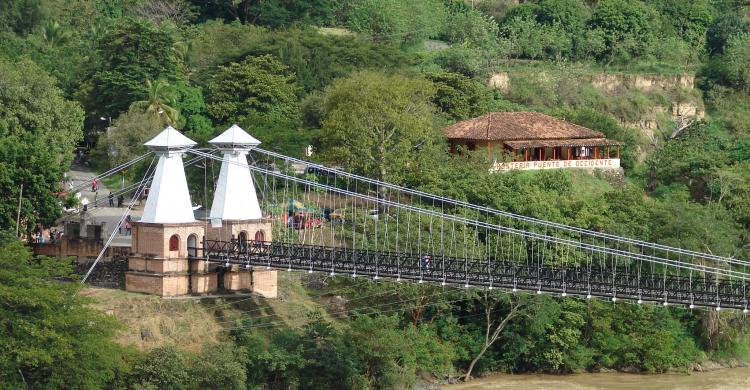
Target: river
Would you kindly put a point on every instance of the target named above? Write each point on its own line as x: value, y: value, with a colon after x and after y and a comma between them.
x: 733, y: 378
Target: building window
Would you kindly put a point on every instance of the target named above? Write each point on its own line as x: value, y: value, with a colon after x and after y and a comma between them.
x: 260, y: 236
x: 174, y: 243
x: 242, y: 238
x: 192, y: 246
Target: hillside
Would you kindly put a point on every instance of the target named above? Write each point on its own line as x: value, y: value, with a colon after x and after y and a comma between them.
x: 371, y: 85
x: 192, y: 323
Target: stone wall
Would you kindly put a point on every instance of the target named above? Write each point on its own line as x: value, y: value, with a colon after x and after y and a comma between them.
x: 80, y: 248
x: 109, y: 273
x: 264, y: 282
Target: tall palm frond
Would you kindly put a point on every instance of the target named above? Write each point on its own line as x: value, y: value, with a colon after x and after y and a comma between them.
x: 54, y: 34
x: 160, y: 96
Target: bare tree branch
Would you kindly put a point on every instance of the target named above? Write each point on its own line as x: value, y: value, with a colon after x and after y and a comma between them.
x: 160, y: 11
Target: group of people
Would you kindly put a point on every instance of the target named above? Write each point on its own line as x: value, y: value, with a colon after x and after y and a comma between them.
x: 110, y: 196
x: 39, y: 238
x: 111, y: 199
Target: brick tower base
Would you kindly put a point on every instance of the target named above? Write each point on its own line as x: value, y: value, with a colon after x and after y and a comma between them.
x: 163, y: 263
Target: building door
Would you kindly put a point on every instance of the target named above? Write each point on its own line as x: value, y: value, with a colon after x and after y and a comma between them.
x: 192, y: 246
x: 242, y: 238
x: 192, y: 243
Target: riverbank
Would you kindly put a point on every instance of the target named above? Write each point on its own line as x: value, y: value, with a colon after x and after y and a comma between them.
x: 725, y: 379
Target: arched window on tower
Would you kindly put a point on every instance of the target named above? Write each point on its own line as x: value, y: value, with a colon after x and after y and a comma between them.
x: 174, y: 243
x: 192, y: 246
x: 260, y: 236
x: 242, y: 237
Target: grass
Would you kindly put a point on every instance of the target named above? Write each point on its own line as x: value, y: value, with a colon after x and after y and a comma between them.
x: 290, y: 309
x: 336, y: 31
x: 150, y: 321
x: 586, y: 184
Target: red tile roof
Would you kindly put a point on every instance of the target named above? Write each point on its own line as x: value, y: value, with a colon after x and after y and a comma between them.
x: 508, y: 126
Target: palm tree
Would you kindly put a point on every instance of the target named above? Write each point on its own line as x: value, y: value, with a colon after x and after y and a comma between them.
x: 55, y: 34
x: 159, y: 98
x: 180, y: 53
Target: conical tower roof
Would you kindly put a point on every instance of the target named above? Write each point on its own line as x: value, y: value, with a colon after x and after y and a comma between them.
x: 170, y: 139
x: 235, y: 138
x: 235, y: 197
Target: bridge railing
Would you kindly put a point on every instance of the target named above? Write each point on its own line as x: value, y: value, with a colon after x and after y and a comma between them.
x: 596, y: 237
x: 393, y: 222
x: 584, y: 280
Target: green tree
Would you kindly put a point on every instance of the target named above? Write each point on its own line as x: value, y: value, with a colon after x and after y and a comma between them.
x: 21, y: 16
x: 159, y: 102
x: 735, y: 63
x: 317, y: 59
x: 405, y: 23
x: 39, y: 129
x: 689, y: 158
x: 51, y: 337
x: 723, y: 27
x: 498, y: 309
x: 165, y: 367
x: 460, y: 97
x: 686, y: 19
x: 474, y: 29
x: 642, y: 336
x: 570, y: 14
x: 259, y: 89
x: 220, y: 366
x: 276, y: 361
x: 272, y: 13
x: 125, y: 138
x: 217, y: 43
x: 55, y: 35
x: 530, y: 39
x: 386, y: 358
x: 629, y: 28
x: 280, y: 13
x: 707, y: 228
x: 130, y: 52
x: 730, y: 186
x: 379, y: 125
x: 193, y: 113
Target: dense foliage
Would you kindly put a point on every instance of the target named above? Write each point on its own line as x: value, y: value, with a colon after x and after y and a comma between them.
x: 370, y: 83
x: 51, y: 338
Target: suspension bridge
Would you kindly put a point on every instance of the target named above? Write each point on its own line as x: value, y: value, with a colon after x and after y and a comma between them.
x: 322, y: 219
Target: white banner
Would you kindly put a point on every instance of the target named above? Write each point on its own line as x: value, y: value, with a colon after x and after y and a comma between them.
x: 602, y: 163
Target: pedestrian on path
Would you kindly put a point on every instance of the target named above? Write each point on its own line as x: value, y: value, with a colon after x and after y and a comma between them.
x: 111, y: 198
x: 94, y: 185
x: 120, y: 200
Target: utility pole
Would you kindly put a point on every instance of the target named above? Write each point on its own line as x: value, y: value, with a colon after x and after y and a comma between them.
x: 18, y: 212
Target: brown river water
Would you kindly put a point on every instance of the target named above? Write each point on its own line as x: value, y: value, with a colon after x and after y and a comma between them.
x: 732, y: 378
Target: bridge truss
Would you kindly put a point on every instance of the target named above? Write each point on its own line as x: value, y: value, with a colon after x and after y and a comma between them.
x: 354, y: 225
x: 328, y: 220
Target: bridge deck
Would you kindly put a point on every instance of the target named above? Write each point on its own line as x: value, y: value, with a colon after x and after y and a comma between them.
x: 609, y: 282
